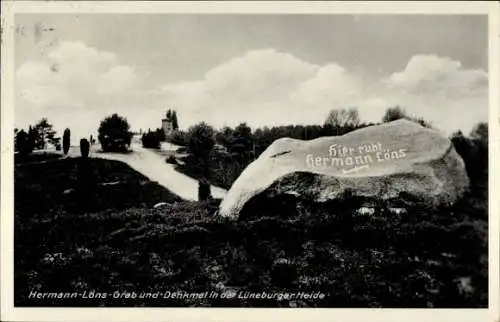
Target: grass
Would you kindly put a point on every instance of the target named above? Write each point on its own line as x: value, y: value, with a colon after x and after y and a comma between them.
x: 36, y: 157
x: 108, y: 238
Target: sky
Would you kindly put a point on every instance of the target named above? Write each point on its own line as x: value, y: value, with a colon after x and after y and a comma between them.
x: 260, y: 69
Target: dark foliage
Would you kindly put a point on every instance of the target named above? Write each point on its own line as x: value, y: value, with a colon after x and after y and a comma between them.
x: 203, y: 190
x: 343, y: 117
x: 201, y: 140
x: 84, y: 148
x: 90, y: 225
x: 160, y: 135
x: 35, y: 138
x: 241, y: 146
x: 114, y: 133
x: 66, y: 140
x: 396, y: 113
x: 20, y: 159
x: 178, y: 138
x: 119, y: 243
x: 42, y: 133
x: 151, y: 140
x: 175, y: 121
x: 474, y: 152
x: 23, y: 143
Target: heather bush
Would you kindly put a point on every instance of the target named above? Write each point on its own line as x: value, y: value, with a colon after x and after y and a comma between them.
x: 178, y: 138
x: 23, y: 143
x: 151, y: 140
x: 84, y: 148
x: 66, y: 140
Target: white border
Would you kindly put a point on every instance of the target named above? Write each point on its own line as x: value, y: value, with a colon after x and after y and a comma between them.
x: 9, y: 313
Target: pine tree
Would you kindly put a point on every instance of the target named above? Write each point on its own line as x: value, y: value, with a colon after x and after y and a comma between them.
x: 32, y: 135
x: 175, y: 123
x: 43, y: 133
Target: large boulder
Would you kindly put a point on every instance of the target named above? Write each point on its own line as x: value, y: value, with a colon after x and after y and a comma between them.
x: 395, y: 160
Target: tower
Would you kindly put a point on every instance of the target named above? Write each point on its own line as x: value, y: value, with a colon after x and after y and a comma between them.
x: 167, y: 124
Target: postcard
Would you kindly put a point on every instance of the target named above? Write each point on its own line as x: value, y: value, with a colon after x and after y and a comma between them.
x: 250, y: 161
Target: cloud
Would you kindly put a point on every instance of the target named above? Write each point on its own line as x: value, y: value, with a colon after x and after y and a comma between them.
x: 74, y: 80
x: 258, y: 75
x: 331, y: 84
x: 262, y: 87
x: 429, y: 73
x: 266, y: 87
x: 77, y: 85
x: 76, y: 70
x: 440, y: 90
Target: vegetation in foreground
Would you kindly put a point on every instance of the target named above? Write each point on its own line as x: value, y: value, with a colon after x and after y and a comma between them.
x: 91, y: 226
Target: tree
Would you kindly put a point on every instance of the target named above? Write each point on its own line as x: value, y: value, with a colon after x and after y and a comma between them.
x: 32, y: 135
x: 421, y: 121
x: 169, y: 115
x: 394, y: 113
x: 479, y: 137
x: 57, y: 143
x: 224, y: 136
x: 200, y: 144
x: 343, y: 118
x: 480, y: 133
x: 474, y: 152
x: 462, y: 145
x: 203, y: 190
x: 43, y: 132
x: 175, y: 122
x: 23, y: 143
x: 178, y: 138
x: 114, y: 133
x: 160, y: 134
x: 151, y: 140
x: 242, y: 142
x: 66, y: 140
x: 84, y: 148
x: 201, y: 139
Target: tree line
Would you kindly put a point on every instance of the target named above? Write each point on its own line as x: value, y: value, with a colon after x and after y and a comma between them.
x: 220, y: 155
x: 36, y: 137
x: 114, y: 135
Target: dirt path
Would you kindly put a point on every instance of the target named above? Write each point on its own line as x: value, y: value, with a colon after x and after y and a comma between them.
x: 153, y: 166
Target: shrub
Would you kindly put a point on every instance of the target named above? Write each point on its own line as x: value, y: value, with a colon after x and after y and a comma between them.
x: 23, y: 143
x: 178, y: 138
x: 114, y: 133
x: 66, y: 140
x: 201, y: 139
x: 84, y: 148
x: 171, y: 159
x: 203, y: 190
x: 151, y: 140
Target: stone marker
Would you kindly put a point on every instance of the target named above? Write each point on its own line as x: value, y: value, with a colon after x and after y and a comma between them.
x: 382, y: 161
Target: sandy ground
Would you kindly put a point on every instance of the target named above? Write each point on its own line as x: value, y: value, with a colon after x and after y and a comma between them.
x: 152, y: 165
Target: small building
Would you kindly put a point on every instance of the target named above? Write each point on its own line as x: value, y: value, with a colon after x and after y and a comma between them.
x: 167, y: 124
